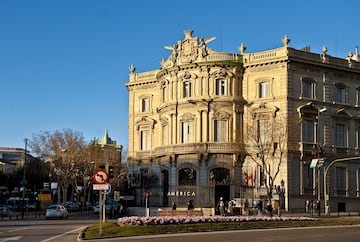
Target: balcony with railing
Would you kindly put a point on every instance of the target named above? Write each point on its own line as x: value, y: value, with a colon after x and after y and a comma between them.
x: 192, y: 148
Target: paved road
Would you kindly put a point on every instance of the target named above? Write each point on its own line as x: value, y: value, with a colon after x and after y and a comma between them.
x: 41, y: 230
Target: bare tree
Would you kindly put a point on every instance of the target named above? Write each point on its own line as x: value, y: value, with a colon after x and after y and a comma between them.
x: 66, y: 150
x: 266, y: 144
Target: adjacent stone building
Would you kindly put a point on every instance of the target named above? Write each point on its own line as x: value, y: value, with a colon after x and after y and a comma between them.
x: 210, y: 124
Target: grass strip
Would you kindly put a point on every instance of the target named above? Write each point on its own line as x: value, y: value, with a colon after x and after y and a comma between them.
x: 114, y: 230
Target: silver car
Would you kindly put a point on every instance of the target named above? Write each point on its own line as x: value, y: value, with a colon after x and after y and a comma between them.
x: 56, y: 211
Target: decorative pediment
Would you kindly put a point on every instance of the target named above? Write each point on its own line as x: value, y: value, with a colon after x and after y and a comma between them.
x: 342, y: 114
x: 264, y: 108
x: 187, y: 76
x: 145, y: 122
x: 187, y: 117
x: 309, y: 109
x: 221, y: 115
x: 219, y: 74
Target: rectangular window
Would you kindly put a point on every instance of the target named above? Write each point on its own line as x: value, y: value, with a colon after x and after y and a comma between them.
x: 186, y: 132
x: 341, y: 94
x: 358, y: 182
x: 263, y: 130
x: 308, y: 89
x: 340, y: 135
x: 358, y: 97
x: 220, y: 131
x: 186, y: 89
x: 341, y: 181
x: 145, y: 140
x: 307, y: 131
x: 358, y: 138
x: 221, y: 89
x: 145, y: 105
x: 308, y: 179
x: 165, y: 94
x: 263, y: 89
x: 165, y: 135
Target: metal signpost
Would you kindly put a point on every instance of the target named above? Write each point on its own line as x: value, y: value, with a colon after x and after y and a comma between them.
x: 100, y: 179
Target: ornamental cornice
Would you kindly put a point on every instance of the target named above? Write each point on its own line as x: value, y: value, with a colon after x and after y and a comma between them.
x: 266, y: 67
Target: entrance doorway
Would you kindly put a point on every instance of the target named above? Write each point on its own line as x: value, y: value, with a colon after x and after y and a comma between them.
x: 222, y: 191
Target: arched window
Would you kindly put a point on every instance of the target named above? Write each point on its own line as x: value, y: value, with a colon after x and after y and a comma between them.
x: 220, y: 176
x: 187, y: 177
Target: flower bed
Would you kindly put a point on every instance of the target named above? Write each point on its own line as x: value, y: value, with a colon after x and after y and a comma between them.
x: 137, y: 221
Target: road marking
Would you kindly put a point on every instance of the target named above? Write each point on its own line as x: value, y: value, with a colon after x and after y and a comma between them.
x: 11, y: 238
x: 63, y: 234
x: 18, y: 229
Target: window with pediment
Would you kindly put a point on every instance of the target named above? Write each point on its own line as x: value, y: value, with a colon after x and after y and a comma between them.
x: 263, y: 127
x: 309, y: 117
x: 187, y: 128
x: 144, y: 127
x: 145, y: 140
x: 221, y: 127
x: 342, y: 118
x: 308, y: 131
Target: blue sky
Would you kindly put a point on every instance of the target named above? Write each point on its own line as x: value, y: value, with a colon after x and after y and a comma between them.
x: 64, y: 63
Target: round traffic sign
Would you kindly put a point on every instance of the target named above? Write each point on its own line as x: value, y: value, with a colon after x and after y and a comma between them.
x: 100, y: 176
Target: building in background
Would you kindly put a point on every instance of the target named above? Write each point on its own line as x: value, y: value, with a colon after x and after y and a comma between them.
x: 190, y: 123
x: 11, y: 159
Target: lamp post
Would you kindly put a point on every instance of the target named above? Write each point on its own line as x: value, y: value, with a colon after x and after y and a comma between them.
x: 326, y: 196
x: 23, y: 182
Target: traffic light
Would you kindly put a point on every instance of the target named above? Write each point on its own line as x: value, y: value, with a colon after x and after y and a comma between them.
x: 111, y: 172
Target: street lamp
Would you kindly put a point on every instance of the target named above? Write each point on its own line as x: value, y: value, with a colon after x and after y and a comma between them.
x: 23, y: 182
x: 326, y: 196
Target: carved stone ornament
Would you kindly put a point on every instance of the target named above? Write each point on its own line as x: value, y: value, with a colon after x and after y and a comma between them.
x: 187, y: 51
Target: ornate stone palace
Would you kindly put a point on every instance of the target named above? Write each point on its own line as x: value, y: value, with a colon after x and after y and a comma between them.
x: 211, y: 124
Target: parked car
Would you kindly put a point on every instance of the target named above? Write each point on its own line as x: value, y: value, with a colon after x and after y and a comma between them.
x: 96, y: 209
x: 4, y: 210
x: 56, y: 211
